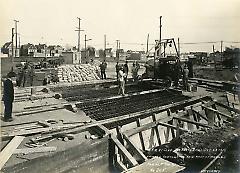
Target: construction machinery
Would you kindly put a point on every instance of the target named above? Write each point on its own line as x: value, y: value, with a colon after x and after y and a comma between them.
x: 162, y: 65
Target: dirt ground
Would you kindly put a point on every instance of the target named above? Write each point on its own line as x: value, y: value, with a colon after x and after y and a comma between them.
x: 213, y: 74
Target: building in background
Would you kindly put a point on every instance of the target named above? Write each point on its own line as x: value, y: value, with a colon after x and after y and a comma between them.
x: 71, y: 57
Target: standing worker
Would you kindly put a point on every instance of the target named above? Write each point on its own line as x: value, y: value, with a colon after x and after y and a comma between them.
x: 103, y: 67
x: 8, y: 97
x: 177, y: 73
x: 134, y: 72
x: 185, y: 77
x: 31, y: 74
x: 125, y: 70
x: 121, y: 81
x: 117, y: 69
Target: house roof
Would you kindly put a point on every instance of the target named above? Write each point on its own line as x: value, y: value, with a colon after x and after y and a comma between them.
x: 27, y: 46
x: 41, y: 46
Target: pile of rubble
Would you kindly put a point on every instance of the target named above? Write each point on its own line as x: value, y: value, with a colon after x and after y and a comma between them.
x: 78, y: 73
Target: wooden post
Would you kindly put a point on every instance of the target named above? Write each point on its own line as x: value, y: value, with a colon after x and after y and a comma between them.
x: 141, y: 135
x: 156, y: 130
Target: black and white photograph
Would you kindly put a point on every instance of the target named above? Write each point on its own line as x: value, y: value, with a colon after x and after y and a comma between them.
x: 120, y: 86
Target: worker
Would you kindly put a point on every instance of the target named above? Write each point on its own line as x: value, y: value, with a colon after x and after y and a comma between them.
x: 25, y: 73
x: 103, y: 67
x: 8, y: 97
x: 121, y: 81
x: 190, y: 68
x: 31, y: 74
x: 185, y: 77
x: 134, y: 72
x: 125, y: 70
x: 177, y: 73
x: 117, y: 69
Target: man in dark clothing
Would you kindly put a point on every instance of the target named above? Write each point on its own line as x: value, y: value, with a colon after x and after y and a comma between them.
x: 103, y: 67
x: 8, y: 97
x: 125, y: 70
x: 177, y: 73
x: 190, y: 68
x: 117, y: 69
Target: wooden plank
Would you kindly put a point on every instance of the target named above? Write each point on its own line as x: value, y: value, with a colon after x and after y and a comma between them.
x: 124, y: 151
x: 208, y: 165
x: 199, y: 113
x: 141, y: 135
x: 216, y: 111
x: 193, y: 122
x: 120, y: 166
x: 157, y: 165
x: 135, y: 149
x: 9, y: 150
x: 228, y: 107
x: 34, y: 150
x: 146, y: 126
x: 156, y: 130
x: 172, y: 126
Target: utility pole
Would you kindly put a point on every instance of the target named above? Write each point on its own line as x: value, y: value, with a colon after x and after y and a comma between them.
x: 79, y: 30
x: 213, y: 48
x: 222, y: 51
x: 160, y: 37
x: 16, y: 21
x: 147, y: 42
x: 85, y: 40
x: 117, y: 49
x: 179, y: 47
x: 105, y: 42
x: 12, y: 43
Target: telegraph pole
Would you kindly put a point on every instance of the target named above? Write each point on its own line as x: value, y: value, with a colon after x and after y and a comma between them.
x: 179, y: 47
x: 105, y: 42
x: 117, y: 49
x: 160, y: 37
x: 79, y: 30
x: 16, y: 21
x: 12, y: 43
x: 147, y: 42
x: 86, y: 45
x: 222, y: 51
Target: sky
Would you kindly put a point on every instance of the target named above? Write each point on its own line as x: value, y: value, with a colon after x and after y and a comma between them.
x: 130, y: 21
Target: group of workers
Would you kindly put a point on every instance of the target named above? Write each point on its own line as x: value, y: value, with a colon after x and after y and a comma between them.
x: 122, y: 71
x: 26, y: 73
x: 122, y: 74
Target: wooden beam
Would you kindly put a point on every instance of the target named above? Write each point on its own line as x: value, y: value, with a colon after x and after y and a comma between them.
x: 193, y: 122
x: 141, y: 135
x: 135, y: 149
x: 146, y: 126
x: 228, y: 107
x: 34, y: 150
x: 120, y: 166
x: 172, y: 126
x: 206, y: 167
x: 124, y: 151
x: 156, y: 130
x: 216, y: 111
x: 199, y: 114
x: 9, y: 149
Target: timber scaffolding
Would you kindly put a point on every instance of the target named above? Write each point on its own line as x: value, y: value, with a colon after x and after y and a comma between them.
x: 110, y: 133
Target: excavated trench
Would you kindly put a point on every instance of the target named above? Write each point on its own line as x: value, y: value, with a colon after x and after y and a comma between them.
x: 195, y: 150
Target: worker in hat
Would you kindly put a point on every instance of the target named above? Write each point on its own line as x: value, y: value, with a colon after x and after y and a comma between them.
x: 8, y: 97
x: 121, y: 78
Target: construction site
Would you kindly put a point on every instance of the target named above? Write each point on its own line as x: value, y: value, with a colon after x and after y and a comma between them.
x: 82, y: 124
x: 155, y: 110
